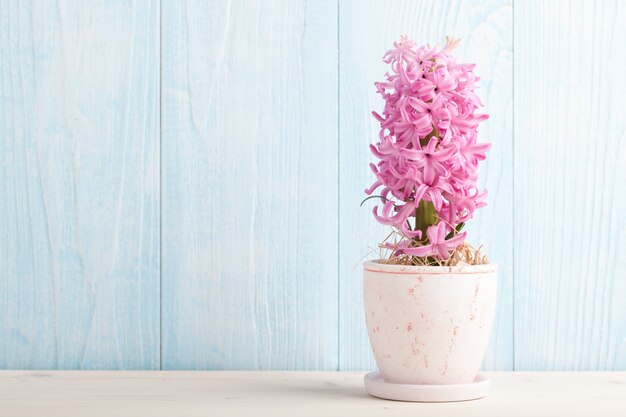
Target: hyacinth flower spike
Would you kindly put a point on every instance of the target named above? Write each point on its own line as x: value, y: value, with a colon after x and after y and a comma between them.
x: 428, y: 153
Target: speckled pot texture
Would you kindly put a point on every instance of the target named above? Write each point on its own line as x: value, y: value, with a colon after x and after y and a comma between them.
x: 429, y: 324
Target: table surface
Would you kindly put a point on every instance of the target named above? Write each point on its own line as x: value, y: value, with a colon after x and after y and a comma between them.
x: 194, y: 393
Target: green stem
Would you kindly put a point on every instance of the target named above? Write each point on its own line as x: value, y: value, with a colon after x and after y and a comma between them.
x: 434, y: 133
x: 425, y: 215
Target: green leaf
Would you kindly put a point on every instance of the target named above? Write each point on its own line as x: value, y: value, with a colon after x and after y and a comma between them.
x: 370, y: 197
x: 457, y: 229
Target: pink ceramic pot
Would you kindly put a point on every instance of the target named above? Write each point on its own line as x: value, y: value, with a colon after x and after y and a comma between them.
x: 429, y: 324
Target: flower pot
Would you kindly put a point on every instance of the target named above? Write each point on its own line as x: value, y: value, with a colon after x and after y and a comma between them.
x: 429, y: 324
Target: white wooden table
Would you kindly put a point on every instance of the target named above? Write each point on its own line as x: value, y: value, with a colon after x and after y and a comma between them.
x: 223, y: 394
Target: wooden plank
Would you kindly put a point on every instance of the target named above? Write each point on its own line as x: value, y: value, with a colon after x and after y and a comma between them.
x: 249, y: 185
x: 570, y: 228
x: 79, y: 169
x: 162, y: 394
x: 366, y: 32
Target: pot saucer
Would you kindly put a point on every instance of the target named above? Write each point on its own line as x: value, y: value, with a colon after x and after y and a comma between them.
x: 377, y: 387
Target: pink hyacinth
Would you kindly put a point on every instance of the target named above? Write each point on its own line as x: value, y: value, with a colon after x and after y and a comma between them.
x: 428, y: 151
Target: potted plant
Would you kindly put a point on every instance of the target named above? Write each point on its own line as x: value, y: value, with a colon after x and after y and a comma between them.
x: 430, y: 299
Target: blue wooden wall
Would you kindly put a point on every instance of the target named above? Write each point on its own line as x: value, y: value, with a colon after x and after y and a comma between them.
x: 79, y: 185
x: 180, y: 181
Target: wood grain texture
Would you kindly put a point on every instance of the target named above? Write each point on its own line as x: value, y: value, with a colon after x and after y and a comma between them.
x: 230, y: 394
x: 249, y: 135
x: 79, y: 195
x: 570, y: 154
x: 265, y: 130
x: 366, y: 32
